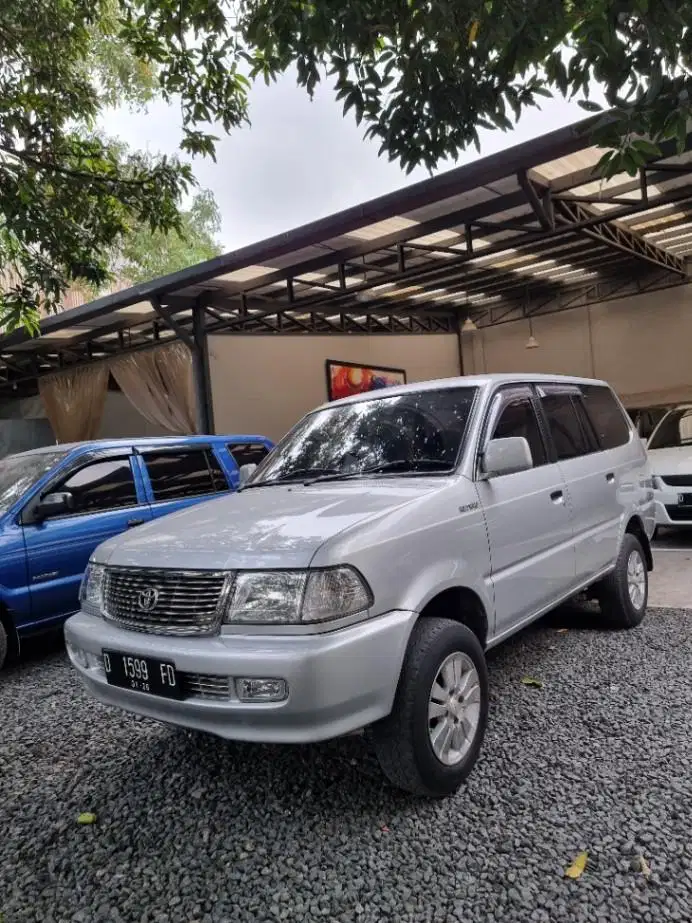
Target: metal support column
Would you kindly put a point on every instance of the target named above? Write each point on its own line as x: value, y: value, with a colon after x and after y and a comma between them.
x: 201, y: 373
x: 460, y: 343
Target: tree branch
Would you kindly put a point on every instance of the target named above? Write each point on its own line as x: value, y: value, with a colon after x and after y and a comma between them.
x: 67, y: 171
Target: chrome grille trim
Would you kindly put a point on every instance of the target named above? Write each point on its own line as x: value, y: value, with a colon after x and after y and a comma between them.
x: 191, y: 602
x: 677, y: 480
x: 206, y: 686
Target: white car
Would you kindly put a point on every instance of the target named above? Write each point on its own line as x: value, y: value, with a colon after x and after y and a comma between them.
x: 670, y: 460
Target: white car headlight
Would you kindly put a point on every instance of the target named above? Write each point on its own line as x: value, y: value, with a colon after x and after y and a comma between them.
x: 295, y: 597
x: 91, y: 592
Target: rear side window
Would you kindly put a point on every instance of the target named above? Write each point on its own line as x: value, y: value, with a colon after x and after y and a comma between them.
x: 569, y: 436
x: 518, y: 418
x: 101, y: 485
x: 606, y: 417
x: 247, y: 453
x: 185, y: 473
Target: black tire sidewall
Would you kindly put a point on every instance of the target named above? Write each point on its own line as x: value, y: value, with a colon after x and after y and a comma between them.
x: 4, y: 645
x: 616, y: 604
x: 456, y: 638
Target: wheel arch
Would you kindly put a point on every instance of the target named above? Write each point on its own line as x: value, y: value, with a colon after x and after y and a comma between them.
x: 12, y: 637
x: 635, y: 527
x: 463, y: 605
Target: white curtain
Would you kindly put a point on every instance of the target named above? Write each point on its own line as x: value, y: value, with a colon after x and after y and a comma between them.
x: 159, y: 384
x: 74, y: 401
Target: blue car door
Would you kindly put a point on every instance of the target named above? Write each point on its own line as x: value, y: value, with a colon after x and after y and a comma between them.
x: 107, y: 498
x: 180, y: 476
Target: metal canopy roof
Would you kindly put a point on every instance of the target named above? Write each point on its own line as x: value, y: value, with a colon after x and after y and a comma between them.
x: 526, y: 231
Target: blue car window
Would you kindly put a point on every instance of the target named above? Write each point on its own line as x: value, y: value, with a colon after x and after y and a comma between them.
x: 247, y: 453
x: 186, y: 473
x: 101, y: 485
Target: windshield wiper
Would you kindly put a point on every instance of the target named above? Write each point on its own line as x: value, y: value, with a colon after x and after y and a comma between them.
x: 403, y: 465
x: 296, y: 475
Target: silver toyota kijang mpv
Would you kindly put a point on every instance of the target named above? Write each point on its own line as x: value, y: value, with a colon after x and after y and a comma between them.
x: 358, y: 578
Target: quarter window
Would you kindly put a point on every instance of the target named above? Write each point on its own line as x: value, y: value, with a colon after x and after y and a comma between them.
x: 607, y: 418
x: 175, y: 475
x: 101, y: 485
x: 569, y: 436
x: 518, y: 418
x: 248, y: 453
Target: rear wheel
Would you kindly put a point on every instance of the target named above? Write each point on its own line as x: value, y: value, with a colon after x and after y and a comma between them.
x: 4, y: 644
x: 623, y: 594
x: 430, y: 742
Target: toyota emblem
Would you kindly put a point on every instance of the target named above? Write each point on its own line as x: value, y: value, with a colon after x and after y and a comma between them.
x: 147, y: 599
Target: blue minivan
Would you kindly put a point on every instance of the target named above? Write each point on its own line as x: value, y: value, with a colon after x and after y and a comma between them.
x: 59, y: 502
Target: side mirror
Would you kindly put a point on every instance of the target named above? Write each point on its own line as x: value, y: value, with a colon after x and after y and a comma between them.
x: 245, y: 473
x: 54, y: 505
x: 506, y: 456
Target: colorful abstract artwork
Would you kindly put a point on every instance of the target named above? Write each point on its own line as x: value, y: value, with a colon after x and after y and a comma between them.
x: 347, y: 378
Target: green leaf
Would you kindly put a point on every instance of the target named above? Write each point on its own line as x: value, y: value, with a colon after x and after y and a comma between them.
x: 589, y: 105
x: 86, y: 818
x: 530, y: 681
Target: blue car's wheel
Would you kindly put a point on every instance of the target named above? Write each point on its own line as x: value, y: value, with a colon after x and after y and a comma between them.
x: 3, y: 645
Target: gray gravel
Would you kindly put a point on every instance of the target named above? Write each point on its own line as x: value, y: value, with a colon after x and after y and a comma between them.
x: 198, y: 831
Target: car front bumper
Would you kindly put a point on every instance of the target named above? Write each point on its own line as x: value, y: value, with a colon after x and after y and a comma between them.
x: 337, y: 682
x: 669, y: 513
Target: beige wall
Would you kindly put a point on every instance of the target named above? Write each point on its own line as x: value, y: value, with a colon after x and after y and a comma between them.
x: 264, y: 384
x: 642, y: 345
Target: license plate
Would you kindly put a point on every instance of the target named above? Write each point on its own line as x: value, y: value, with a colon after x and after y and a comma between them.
x: 684, y: 499
x: 142, y: 674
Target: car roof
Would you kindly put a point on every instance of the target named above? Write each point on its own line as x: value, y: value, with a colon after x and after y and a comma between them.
x: 468, y: 381
x: 142, y: 442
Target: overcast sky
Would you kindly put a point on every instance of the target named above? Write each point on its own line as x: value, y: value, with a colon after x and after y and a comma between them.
x: 300, y: 160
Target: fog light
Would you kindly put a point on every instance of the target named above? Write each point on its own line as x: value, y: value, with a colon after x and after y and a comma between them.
x: 261, y: 690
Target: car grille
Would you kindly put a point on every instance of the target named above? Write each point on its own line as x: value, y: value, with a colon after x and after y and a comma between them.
x: 677, y: 480
x: 680, y: 513
x: 205, y: 686
x: 166, y: 602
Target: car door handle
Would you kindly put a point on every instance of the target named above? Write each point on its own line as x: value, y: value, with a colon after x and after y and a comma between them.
x: 557, y: 496
x: 610, y: 477
x: 131, y: 523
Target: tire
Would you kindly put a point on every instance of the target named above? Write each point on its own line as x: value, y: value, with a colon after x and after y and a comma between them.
x: 403, y: 740
x: 4, y: 645
x: 620, y: 607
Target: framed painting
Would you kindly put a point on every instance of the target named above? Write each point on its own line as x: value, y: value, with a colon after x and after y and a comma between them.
x: 347, y: 378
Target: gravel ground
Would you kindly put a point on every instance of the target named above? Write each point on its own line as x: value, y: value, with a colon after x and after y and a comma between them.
x: 195, y: 830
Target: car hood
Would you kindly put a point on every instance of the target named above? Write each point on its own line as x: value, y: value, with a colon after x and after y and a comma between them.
x: 264, y: 527
x: 671, y: 461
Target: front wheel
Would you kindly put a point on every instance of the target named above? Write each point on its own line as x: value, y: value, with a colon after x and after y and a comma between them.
x: 624, y: 593
x: 431, y: 740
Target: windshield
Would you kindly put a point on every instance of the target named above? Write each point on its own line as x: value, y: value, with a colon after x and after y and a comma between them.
x: 20, y: 472
x: 675, y: 430
x: 414, y: 433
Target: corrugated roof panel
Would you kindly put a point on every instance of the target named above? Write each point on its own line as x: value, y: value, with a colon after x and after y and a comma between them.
x: 566, y: 166
x: 382, y: 228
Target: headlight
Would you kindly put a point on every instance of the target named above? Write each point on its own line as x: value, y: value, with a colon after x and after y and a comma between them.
x: 91, y: 592
x: 294, y: 597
